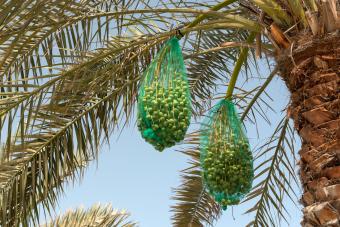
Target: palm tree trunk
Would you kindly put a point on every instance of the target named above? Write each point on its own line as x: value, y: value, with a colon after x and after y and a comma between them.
x: 311, y: 70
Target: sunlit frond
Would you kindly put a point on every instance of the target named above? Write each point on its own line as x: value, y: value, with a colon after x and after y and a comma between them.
x: 96, y: 216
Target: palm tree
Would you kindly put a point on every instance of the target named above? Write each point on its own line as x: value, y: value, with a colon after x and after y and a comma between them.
x: 69, y: 78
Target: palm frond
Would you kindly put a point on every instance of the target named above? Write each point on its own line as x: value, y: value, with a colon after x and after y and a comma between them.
x: 70, y: 123
x: 37, y: 28
x: 275, y: 178
x: 275, y: 11
x: 195, y: 207
x: 96, y: 216
x: 61, y: 43
x: 298, y: 11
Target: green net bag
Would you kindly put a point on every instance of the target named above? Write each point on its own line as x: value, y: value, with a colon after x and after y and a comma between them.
x: 226, y: 159
x: 164, y: 104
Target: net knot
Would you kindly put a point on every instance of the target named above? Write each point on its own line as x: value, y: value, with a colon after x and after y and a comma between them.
x: 179, y: 34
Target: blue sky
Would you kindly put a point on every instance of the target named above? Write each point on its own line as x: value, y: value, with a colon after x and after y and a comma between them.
x: 132, y: 175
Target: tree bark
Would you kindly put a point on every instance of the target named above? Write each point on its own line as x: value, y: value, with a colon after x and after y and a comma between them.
x: 311, y: 71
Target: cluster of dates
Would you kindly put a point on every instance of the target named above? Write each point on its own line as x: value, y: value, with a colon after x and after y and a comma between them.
x: 226, y: 158
x: 228, y: 171
x: 166, y: 113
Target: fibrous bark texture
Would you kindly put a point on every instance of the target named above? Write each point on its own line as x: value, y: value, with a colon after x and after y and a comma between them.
x: 311, y: 70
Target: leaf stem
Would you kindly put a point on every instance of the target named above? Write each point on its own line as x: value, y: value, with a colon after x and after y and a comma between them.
x: 241, y: 59
x: 259, y: 92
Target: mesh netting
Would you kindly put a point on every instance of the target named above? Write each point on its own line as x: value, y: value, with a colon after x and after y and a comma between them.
x: 226, y: 159
x: 164, y: 106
